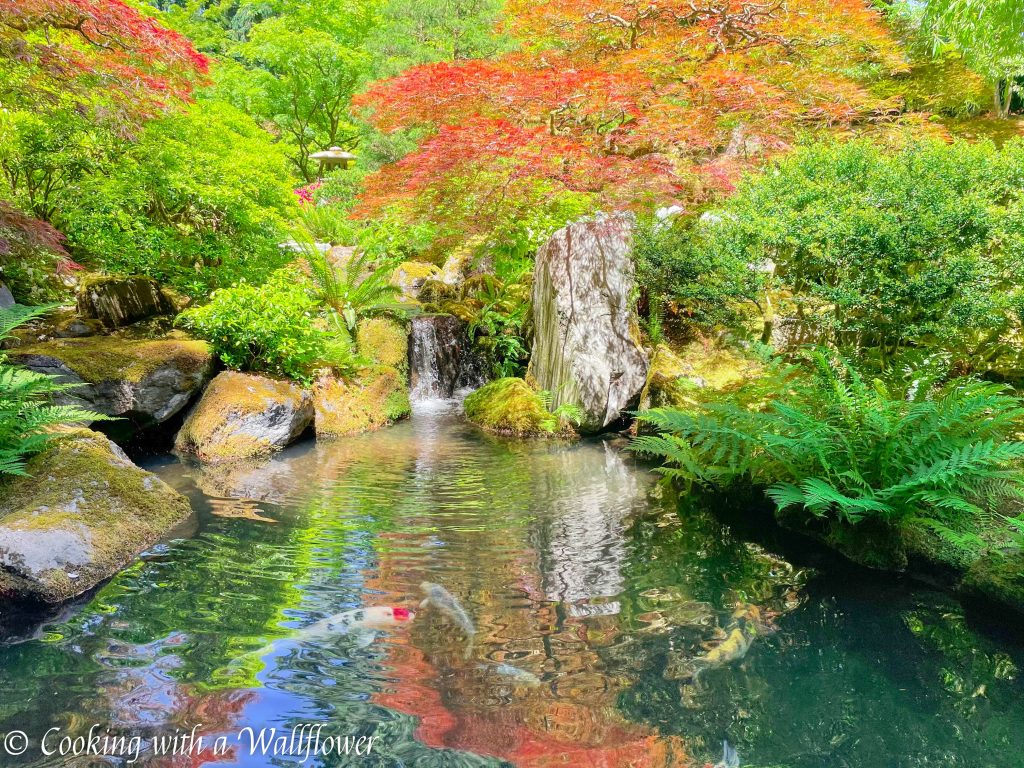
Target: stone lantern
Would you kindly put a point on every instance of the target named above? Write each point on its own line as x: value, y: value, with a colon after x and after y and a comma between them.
x: 335, y: 157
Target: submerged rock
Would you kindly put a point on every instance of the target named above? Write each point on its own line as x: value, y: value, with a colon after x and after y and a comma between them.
x: 120, y: 301
x: 244, y: 416
x: 509, y: 407
x: 586, y: 350
x: 385, y: 341
x: 84, y: 514
x: 374, y: 398
x: 145, y: 381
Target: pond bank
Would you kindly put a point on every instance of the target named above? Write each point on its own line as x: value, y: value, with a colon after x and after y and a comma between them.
x: 575, y: 567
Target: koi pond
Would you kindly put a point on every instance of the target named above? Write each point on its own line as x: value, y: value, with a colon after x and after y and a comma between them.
x: 612, y: 625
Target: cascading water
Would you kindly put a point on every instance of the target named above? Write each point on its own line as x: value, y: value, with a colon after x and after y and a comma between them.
x: 442, y: 358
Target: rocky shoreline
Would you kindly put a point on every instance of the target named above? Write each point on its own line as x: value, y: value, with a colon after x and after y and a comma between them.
x: 589, y: 369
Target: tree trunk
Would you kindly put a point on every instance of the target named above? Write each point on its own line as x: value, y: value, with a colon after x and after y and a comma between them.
x: 1003, y: 96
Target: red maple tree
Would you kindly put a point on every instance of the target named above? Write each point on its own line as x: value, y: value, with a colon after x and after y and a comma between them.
x: 629, y: 102
x: 98, y: 46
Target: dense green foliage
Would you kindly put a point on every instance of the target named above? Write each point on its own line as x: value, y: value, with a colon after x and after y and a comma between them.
x: 353, y: 288
x: 989, y: 35
x: 834, y: 445
x: 98, y: 139
x: 278, y: 327
x: 705, y: 284
x: 27, y: 415
x: 879, y: 251
x: 199, y: 201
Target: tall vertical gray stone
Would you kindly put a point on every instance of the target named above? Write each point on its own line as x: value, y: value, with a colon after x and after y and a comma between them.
x: 586, y: 335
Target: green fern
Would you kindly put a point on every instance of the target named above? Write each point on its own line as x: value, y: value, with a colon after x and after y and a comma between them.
x: 27, y: 416
x: 840, y: 447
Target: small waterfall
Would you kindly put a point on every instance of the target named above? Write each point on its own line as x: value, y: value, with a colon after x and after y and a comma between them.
x: 442, y: 358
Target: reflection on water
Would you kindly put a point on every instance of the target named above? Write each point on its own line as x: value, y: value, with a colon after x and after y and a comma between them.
x: 614, y: 627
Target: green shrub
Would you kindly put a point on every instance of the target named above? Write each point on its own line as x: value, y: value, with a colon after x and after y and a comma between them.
x: 199, y: 202
x: 278, y: 328
x: 706, y: 285
x: 328, y: 223
x: 839, y: 447
x: 883, y: 250
x: 27, y: 415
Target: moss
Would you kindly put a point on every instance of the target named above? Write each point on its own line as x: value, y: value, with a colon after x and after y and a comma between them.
x: 226, y: 423
x: 119, y: 301
x: 927, y: 550
x: 384, y: 341
x: 415, y: 270
x: 83, y: 490
x: 375, y: 397
x: 108, y: 358
x: 510, y: 407
x: 667, y: 383
x: 999, y: 577
x: 410, y: 276
x: 718, y: 367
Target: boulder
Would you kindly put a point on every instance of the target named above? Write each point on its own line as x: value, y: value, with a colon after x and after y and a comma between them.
x: 76, y: 327
x: 6, y: 297
x: 456, y: 267
x: 120, y: 301
x: 244, y: 416
x: 788, y: 334
x: 339, y: 256
x: 510, y: 407
x: 409, y: 277
x: 374, y: 398
x: 60, y: 323
x: 674, y: 376
x: 586, y: 335
x: 145, y: 381
x: 384, y: 341
x: 667, y: 383
x: 999, y: 578
x: 85, y: 512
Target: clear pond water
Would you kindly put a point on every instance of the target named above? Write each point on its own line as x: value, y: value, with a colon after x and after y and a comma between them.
x: 607, y: 615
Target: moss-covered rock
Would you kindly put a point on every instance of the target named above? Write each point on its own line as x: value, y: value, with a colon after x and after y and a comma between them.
x: 384, y: 341
x: 409, y: 277
x: 85, y: 513
x: 245, y: 416
x: 120, y: 301
x: 146, y: 381
x: 999, y: 577
x: 510, y: 407
x: 668, y: 383
x: 375, y: 397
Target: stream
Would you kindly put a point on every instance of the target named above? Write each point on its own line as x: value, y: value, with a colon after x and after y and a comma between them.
x: 598, y: 599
